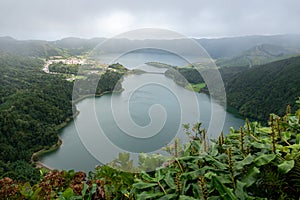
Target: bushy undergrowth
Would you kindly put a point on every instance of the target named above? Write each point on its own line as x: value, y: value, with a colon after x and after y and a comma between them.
x: 253, y: 162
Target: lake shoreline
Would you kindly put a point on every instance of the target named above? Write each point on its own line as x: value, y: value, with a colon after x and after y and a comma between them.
x: 35, y: 158
x: 57, y: 146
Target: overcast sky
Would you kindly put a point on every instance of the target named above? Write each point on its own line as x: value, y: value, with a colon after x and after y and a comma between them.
x: 56, y: 19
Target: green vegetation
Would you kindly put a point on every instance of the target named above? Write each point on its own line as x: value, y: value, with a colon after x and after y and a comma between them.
x: 254, y: 92
x: 32, y: 105
x: 261, y: 90
x: 253, y: 162
x: 35, y: 48
x: 118, y: 67
x: 196, y: 87
x: 96, y: 84
x: 191, y: 79
x: 60, y: 67
x: 35, y: 105
x: 184, y: 76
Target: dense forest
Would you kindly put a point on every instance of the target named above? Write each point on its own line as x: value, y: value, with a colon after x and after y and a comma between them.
x: 261, y: 90
x: 254, y: 91
x: 64, y: 68
x: 33, y: 105
x: 184, y: 76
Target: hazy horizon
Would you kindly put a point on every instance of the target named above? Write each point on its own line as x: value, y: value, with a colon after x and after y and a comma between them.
x: 54, y: 20
x: 102, y: 37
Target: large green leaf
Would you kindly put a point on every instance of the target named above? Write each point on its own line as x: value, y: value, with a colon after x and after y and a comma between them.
x: 247, y: 161
x: 93, y: 191
x: 240, y: 192
x: 149, y: 195
x: 286, y: 135
x: 144, y: 185
x: 68, y: 193
x: 214, y: 198
x: 168, y: 197
x: 209, y: 175
x: 158, y: 175
x: 185, y: 184
x: 192, y: 175
x: 298, y: 138
x: 26, y: 190
x: 224, y: 192
x: 170, y: 180
x: 260, y: 145
x: 265, y: 129
x: 196, y: 189
x: 215, y: 162
x: 183, y: 197
x: 286, y: 166
x: 85, y: 187
x: 251, y: 176
x: 213, y: 149
x: 147, y: 177
x: 264, y: 159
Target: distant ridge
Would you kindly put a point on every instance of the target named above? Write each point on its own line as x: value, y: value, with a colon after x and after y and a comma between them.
x: 258, y: 55
x: 216, y: 48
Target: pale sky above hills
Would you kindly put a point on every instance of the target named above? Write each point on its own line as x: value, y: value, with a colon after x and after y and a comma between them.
x: 56, y: 19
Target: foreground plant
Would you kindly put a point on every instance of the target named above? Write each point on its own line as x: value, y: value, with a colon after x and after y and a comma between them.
x: 254, y: 162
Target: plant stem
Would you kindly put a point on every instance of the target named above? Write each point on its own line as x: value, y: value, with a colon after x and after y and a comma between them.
x: 162, y: 187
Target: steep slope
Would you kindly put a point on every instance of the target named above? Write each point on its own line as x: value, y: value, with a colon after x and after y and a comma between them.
x: 261, y: 90
x: 77, y: 46
x: 32, y: 103
x: 258, y: 55
x: 35, y: 48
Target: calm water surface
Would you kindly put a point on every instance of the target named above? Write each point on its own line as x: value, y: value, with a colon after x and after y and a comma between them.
x: 146, y: 116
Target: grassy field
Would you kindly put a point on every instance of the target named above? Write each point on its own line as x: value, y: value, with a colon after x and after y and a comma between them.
x: 195, y: 87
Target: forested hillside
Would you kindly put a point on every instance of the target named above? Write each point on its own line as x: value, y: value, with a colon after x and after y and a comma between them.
x: 184, y: 76
x: 254, y: 91
x: 261, y: 90
x: 32, y: 104
x: 35, y: 48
